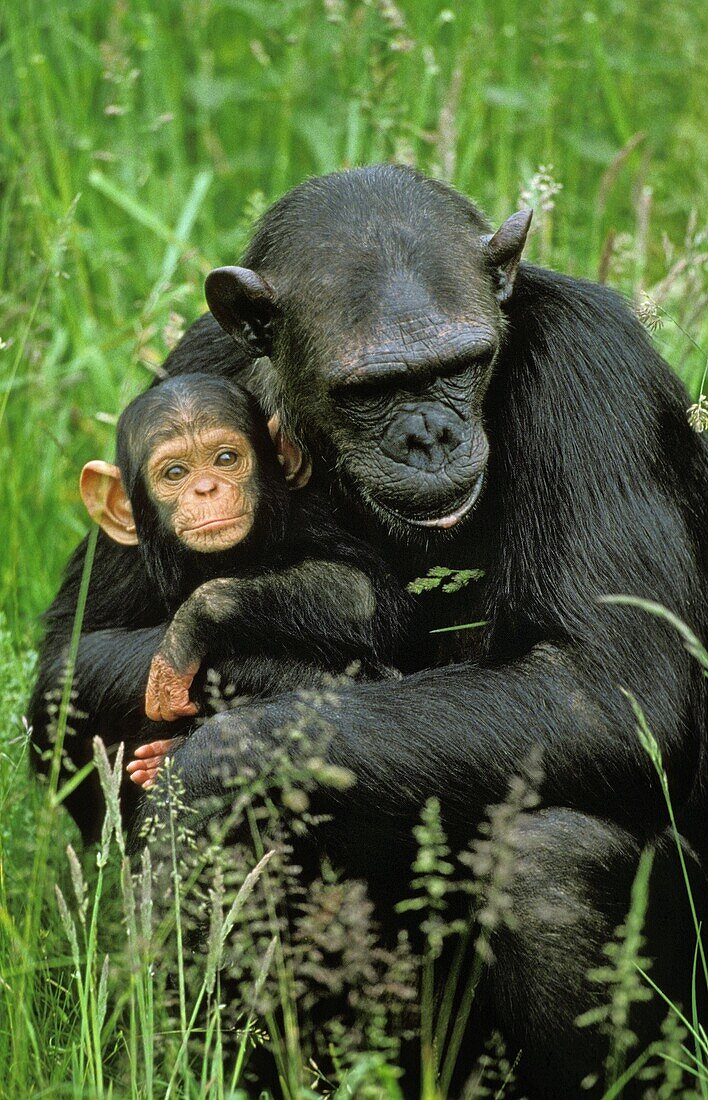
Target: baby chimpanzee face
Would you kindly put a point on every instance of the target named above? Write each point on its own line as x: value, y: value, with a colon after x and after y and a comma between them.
x: 203, y: 482
x: 199, y: 472
x: 201, y: 485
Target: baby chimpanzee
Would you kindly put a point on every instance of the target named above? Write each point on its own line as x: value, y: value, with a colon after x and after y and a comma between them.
x: 246, y: 568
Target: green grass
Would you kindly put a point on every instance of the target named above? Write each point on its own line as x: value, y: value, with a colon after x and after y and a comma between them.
x: 138, y: 142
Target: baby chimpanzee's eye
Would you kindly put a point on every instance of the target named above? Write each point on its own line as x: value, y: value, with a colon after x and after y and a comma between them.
x: 226, y: 458
x: 175, y: 472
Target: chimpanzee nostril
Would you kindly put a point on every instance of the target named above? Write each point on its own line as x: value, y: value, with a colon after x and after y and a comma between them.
x: 424, y: 437
x: 415, y: 443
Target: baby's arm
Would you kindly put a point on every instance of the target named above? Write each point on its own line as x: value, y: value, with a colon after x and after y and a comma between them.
x: 318, y: 611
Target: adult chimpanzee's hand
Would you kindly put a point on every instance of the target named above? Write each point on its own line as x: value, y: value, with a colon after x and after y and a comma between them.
x: 456, y: 733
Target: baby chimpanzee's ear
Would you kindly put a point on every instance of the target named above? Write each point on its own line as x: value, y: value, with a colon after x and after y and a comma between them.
x: 296, y: 466
x: 106, y: 501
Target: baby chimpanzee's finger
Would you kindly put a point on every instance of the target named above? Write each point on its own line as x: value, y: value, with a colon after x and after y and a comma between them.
x: 142, y: 776
x: 156, y: 748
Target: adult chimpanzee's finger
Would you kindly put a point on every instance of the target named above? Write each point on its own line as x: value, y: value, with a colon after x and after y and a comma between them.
x: 153, y: 748
x: 150, y: 765
x: 148, y: 760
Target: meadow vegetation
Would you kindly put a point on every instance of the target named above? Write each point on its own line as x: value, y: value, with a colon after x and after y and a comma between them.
x: 140, y: 140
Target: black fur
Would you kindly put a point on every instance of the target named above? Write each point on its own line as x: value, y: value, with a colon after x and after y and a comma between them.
x: 594, y: 484
x: 290, y: 619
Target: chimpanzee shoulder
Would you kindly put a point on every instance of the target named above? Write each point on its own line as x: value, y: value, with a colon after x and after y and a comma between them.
x: 120, y: 594
x: 593, y: 466
x: 205, y: 347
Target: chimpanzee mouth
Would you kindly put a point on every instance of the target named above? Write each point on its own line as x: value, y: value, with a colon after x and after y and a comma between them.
x: 443, y: 523
x: 214, y: 524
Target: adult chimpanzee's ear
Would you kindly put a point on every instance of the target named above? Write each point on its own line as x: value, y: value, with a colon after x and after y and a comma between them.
x: 106, y: 501
x: 242, y: 303
x: 296, y: 465
x: 503, y: 250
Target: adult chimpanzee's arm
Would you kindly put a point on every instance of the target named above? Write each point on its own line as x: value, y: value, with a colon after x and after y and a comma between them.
x: 461, y: 732
x: 109, y: 676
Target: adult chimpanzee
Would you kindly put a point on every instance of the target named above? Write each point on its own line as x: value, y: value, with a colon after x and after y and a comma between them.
x: 471, y: 411
x: 260, y: 583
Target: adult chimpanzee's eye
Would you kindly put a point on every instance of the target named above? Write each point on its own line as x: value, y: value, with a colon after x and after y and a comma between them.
x: 226, y: 458
x: 174, y: 472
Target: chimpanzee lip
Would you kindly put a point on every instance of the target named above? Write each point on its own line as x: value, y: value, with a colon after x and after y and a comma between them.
x: 214, y: 524
x: 442, y: 522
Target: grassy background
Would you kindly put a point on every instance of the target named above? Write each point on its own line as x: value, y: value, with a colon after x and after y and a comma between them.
x: 140, y: 138
x: 138, y: 142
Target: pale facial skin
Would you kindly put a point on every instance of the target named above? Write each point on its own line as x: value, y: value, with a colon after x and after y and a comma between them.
x: 202, y: 479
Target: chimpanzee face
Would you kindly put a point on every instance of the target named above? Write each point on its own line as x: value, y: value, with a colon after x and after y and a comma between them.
x: 203, y: 484
x: 198, y: 476
x: 405, y: 419
x: 377, y: 299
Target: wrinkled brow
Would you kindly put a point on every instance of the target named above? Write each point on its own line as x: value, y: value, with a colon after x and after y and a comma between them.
x: 183, y: 442
x: 183, y: 422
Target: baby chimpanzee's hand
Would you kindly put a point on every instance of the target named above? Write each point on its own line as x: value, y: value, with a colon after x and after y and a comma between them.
x: 167, y: 694
x: 149, y: 758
